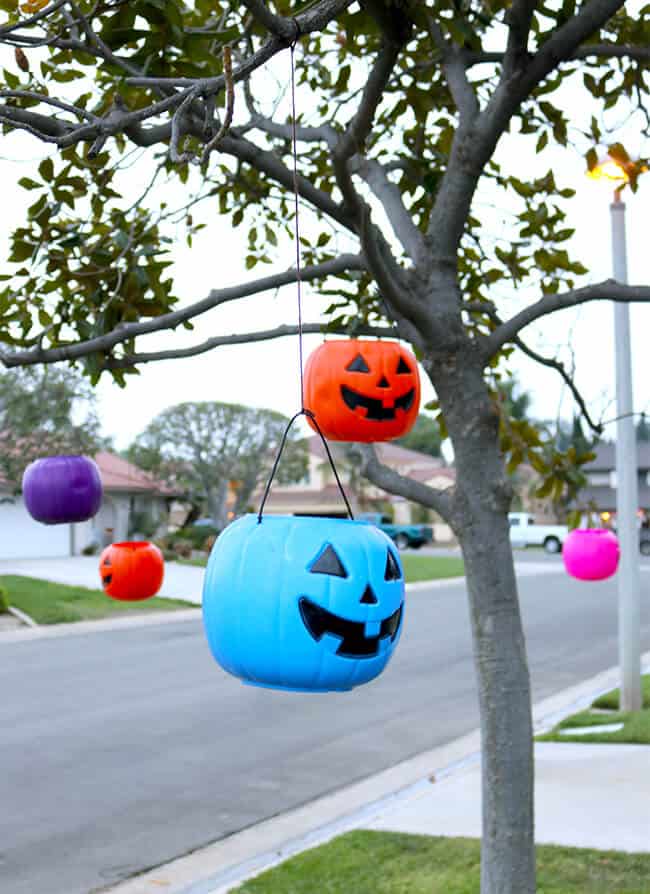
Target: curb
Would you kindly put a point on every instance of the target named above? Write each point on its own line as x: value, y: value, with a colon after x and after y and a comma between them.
x: 217, y: 868
x: 22, y: 616
x: 79, y: 628
x: 52, y: 631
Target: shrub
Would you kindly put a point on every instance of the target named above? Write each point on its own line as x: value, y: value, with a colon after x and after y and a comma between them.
x: 183, y: 548
x: 196, y: 534
x: 4, y: 601
x: 90, y: 550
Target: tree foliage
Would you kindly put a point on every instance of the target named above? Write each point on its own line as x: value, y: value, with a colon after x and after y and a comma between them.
x: 44, y: 411
x: 424, y: 436
x: 206, y: 447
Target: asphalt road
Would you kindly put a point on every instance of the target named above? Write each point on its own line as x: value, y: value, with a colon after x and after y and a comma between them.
x: 121, y: 750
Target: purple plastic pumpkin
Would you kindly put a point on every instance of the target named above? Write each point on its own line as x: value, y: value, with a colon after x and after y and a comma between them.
x: 62, y: 489
x: 591, y: 553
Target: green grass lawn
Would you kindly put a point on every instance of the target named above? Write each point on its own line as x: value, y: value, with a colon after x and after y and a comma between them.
x: 611, y: 699
x: 636, y: 724
x: 198, y: 563
x: 393, y: 863
x: 431, y: 567
x: 415, y: 567
x: 50, y: 603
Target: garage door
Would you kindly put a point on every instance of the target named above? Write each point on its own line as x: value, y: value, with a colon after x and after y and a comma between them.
x: 23, y: 538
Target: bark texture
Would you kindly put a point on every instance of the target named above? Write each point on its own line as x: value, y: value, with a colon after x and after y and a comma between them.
x: 217, y: 504
x: 479, y: 518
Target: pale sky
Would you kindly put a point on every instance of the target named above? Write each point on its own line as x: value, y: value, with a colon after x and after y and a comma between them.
x: 266, y: 374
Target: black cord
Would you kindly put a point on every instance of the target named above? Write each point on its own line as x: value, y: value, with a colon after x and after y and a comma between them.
x: 302, y: 412
x: 309, y: 415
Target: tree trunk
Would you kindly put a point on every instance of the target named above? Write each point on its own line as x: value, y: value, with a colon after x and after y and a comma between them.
x: 483, y: 496
x: 217, y: 504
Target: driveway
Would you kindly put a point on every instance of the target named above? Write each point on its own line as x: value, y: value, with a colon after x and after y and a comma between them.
x: 181, y: 581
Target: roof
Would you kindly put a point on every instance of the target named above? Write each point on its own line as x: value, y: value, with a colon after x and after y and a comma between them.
x: 606, y: 457
x: 118, y: 474
x: 389, y: 453
x: 121, y: 475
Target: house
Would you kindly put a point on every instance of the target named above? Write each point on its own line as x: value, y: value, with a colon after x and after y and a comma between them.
x: 600, y: 491
x: 318, y: 494
x: 130, y: 495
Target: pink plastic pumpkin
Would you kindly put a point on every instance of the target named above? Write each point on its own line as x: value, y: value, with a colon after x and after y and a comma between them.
x: 591, y: 553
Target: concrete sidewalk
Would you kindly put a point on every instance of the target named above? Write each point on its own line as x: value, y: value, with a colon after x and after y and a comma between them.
x: 186, y: 581
x: 181, y: 581
x: 594, y: 796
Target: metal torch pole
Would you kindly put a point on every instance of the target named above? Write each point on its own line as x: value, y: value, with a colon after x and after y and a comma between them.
x: 627, y: 496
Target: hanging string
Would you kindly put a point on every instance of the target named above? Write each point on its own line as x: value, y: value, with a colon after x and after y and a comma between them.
x: 303, y: 411
x: 296, y: 200
x: 311, y: 416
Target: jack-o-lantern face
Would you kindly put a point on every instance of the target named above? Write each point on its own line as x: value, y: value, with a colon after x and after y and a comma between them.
x: 303, y: 603
x: 131, y: 571
x: 362, y: 390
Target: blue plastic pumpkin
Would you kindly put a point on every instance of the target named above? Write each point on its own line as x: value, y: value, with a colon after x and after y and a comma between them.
x: 303, y: 603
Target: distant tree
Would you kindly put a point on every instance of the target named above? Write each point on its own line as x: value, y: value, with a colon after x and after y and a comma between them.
x: 44, y: 411
x: 203, y: 447
x: 569, y: 441
x: 425, y: 436
x: 515, y: 400
x: 643, y: 429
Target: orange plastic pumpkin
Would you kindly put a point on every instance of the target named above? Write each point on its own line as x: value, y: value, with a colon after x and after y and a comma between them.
x: 362, y: 390
x: 132, y: 570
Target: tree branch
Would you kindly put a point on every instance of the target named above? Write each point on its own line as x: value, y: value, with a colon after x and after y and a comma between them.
x: 324, y: 134
x: 286, y: 29
x: 519, y: 20
x: 129, y: 360
x: 609, y: 290
x: 604, y: 50
x: 358, y: 129
x: 216, y: 297
x: 474, y: 145
x: 557, y: 365
x: 389, y: 480
x: 388, y: 193
x: 518, y: 84
x: 454, y: 68
x: 32, y: 20
x: 401, y: 303
x: 268, y: 163
x: 313, y: 19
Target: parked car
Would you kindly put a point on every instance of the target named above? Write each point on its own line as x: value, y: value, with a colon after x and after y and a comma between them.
x: 404, y: 536
x: 525, y: 532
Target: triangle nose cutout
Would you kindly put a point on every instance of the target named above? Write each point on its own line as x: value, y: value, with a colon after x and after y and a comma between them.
x: 369, y: 597
x: 383, y: 383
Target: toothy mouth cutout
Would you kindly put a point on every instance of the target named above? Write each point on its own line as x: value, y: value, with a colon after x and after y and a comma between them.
x: 374, y: 408
x: 357, y: 639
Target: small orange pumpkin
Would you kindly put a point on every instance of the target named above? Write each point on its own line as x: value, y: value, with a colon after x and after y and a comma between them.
x: 132, y: 570
x: 362, y: 390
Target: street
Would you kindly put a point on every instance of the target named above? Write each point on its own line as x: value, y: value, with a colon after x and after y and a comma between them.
x: 123, y: 749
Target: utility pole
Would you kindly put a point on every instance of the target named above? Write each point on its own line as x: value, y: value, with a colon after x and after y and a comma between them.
x: 627, y: 488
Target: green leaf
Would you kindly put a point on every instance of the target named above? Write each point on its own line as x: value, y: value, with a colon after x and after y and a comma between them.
x: 46, y: 169
x: 26, y: 183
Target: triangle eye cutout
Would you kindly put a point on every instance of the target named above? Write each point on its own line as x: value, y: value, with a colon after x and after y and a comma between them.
x: 328, y: 562
x: 392, y: 568
x: 403, y: 367
x: 358, y: 365
x: 369, y: 597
